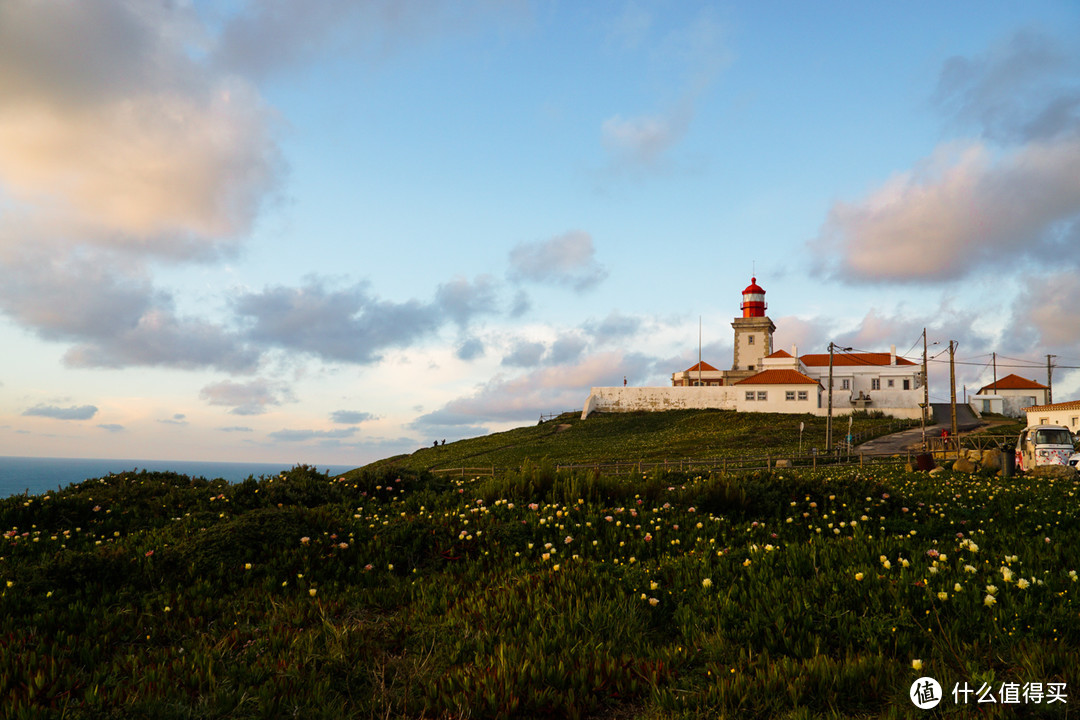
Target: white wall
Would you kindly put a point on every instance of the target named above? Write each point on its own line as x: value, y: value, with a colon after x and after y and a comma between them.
x: 631, y: 399
x: 732, y: 397
x: 1067, y: 418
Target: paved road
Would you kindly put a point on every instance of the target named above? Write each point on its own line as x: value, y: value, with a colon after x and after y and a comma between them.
x: 911, y: 440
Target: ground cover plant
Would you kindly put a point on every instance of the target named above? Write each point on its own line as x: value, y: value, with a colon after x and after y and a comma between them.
x: 539, y: 594
x: 637, y: 436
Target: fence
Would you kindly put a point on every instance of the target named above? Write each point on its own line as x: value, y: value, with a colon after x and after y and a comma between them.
x: 737, y: 463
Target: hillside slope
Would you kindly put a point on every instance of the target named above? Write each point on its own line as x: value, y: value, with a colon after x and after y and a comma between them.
x: 671, y: 435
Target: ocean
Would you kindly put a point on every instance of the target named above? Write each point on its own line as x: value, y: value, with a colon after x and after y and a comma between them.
x: 37, y: 475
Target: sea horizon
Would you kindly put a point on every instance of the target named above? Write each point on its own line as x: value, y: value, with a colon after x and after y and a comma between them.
x: 37, y: 475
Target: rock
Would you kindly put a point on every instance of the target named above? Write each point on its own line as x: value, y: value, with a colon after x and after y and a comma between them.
x: 937, y: 471
x: 991, y: 460
x: 964, y: 465
x: 1063, y: 472
x: 974, y: 456
x: 783, y: 463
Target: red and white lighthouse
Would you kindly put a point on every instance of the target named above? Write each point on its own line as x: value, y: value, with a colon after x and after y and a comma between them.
x: 753, y: 300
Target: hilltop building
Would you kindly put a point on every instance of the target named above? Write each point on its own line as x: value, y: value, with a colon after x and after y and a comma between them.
x: 1010, y: 395
x: 761, y: 380
x: 1062, y: 413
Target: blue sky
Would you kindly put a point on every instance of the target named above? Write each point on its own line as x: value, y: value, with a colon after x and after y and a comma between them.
x: 333, y: 232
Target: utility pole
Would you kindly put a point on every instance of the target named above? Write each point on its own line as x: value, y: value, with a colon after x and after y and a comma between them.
x: 828, y: 420
x: 952, y: 387
x: 925, y: 390
x: 995, y: 374
x: 699, y: 350
x: 1049, y: 381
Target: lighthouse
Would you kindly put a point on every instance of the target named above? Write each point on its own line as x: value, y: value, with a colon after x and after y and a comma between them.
x: 753, y: 334
x: 753, y: 300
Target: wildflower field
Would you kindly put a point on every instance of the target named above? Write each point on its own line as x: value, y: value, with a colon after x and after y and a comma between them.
x: 540, y: 594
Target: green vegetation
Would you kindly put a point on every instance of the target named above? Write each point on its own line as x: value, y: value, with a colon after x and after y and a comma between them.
x: 630, y: 437
x: 537, y: 594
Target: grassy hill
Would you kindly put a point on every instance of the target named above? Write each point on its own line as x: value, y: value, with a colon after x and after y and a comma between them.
x: 629, y: 437
x: 797, y: 594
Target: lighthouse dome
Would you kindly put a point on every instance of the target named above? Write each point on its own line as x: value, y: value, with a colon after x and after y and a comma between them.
x: 753, y: 300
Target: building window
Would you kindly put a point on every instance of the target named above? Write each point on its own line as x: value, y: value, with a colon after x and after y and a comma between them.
x: 749, y: 339
x: 875, y: 384
x: 750, y: 395
x: 890, y: 382
x: 789, y: 394
x: 762, y: 395
x: 802, y: 395
x: 1074, y: 421
x: 845, y: 384
x: 907, y: 384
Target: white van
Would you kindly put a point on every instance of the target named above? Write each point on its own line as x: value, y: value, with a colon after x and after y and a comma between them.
x: 1043, y: 445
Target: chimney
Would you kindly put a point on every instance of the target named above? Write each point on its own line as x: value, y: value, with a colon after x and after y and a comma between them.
x: 892, y: 354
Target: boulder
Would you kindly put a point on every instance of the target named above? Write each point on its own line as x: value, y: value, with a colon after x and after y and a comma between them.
x: 991, y: 460
x: 974, y: 456
x: 937, y: 471
x: 964, y: 465
x: 783, y: 463
x: 1063, y: 472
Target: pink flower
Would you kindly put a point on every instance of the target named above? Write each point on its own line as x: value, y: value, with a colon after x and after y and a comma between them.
x: 648, y: 537
x: 149, y: 553
x: 305, y: 540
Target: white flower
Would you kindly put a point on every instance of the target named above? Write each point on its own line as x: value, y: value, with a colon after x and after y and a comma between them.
x: 1022, y: 584
x: 706, y: 583
x: 989, y: 600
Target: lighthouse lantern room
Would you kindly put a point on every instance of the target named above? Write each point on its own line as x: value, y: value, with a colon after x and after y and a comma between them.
x: 753, y: 300
x: 753, y: 334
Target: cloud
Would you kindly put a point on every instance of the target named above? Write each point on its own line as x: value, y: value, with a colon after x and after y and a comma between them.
x: 344, y: 325
x: 567, y: 260
x: 461, y: 300
x: 1044, y: 315
x: 250, y: 398
x: 350, y: 417
x: 1026, y: 88
x: 303, y: 435
x: 1010, y: 199
x: 613, y: 328
x: 470, y: 349
x: 525, y: 397
x: 111, y: 427
x: 567, y: 348
x: 116, y: 125
x: 120, y: 146
x: 696, y: 54
x: 643, y: 140
x: 177, y: 419
x: 524, y: 354
x: 275, y: 36
x: 962, y: 210
x: 236, y: 428
x: 79, y: 412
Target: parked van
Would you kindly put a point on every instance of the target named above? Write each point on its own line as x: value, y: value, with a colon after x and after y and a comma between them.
x: 1043, y: 445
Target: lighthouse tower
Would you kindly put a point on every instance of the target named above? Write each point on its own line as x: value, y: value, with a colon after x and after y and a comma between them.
x: 753, y: 334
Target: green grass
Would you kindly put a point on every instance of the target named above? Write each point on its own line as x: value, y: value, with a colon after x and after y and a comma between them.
x: 798, y: 594
x: 629, y: 437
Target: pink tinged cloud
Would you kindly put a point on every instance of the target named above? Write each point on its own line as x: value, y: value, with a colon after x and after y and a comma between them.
x: 962, y: 209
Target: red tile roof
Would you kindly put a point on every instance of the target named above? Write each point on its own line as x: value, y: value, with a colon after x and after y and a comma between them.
x: 1014, y: 382
x: 779, y: 377
x: 852, y: 359
x: 780, y: 354
x: 1070, y: 405
x: 704, y: 367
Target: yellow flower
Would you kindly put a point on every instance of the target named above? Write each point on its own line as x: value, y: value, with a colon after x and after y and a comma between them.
x: 312, y: 591
x: 706, y: 583
x: 916, y: 664
x: 858, y: 576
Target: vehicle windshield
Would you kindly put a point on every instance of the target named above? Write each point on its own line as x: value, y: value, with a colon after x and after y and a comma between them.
x: 1055, y: 436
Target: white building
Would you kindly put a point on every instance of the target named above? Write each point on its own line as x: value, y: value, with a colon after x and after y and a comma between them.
x: 1063, y: 413
x: 761, y: 380
x: 1010, y: 395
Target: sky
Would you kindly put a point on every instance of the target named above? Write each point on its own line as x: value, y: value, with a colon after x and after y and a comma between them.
x: 332, y: 232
